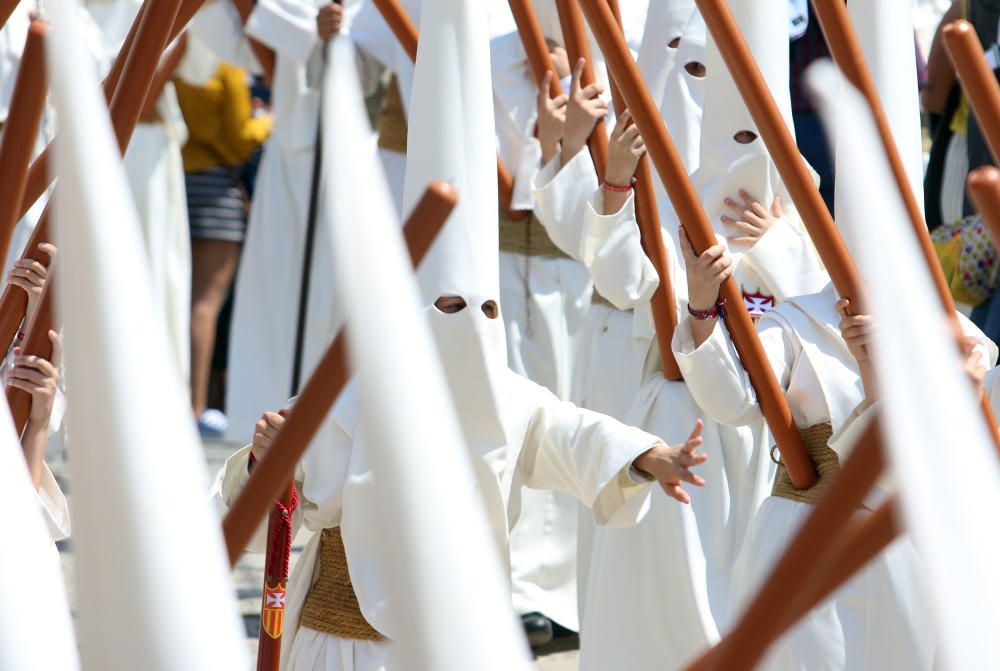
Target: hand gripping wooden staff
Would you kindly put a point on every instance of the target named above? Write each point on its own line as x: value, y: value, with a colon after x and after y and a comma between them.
x: 784, y: 152
x: 277, y: 467
x: 577, y: 47
x: 647, y: 215
x: 849, y: 57
x: 20, y: 130
x: 404, y: 30
x: 151, y: 38
x: 675, y: 179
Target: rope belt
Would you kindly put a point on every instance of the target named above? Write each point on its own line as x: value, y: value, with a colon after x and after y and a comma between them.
x: 331, y: 606
x: 815, y: 439
x: 527, y: 237
x: 392, y: 119
x: 597, y: 299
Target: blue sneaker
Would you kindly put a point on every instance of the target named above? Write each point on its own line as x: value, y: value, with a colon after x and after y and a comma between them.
x: 212, y: 424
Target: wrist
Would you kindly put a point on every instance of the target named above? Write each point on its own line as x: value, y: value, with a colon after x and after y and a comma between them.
x: 704, y: 304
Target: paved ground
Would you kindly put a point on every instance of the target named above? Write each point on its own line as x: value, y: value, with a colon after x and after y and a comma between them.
x: 558, y: 656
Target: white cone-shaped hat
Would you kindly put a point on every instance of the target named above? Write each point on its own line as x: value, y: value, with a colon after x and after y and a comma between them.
x: 665, y: 23
x: 684, y: 93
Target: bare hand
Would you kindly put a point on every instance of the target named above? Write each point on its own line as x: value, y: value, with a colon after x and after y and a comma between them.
x: 624, y: 151
x: 328, y: 20
x: 39, y: 377
x: 265, y: 430
x: 752, y: 219
x: 857, y: 331
x: 705, y: 273
x: 551, y: 119
x: 584, y: 109
x: 975, y: 363
x: 30, y: 276
x: 671, y: 465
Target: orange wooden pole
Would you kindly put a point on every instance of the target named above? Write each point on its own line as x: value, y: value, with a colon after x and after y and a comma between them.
x: 784, y: 152
x: 36, y: 343
x: 21, y: 129
x: 678, y: 185
x: 984, y: 188
x: 279, y: 532
x: 977, y: 79
x: 164, y: 73
x: 761, y: 623
x: 276, y: 468
x: 539, y: 57
x: 38, y: 175
x: 647, y: 215
x: 577, y: 47
x: 404, y: 30
x: 7, y: 8
x: 849, y: 57
x: 265, y: 55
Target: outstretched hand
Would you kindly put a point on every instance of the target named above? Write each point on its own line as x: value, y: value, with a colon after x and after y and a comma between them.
x: 584, y: 109
x: 670, y: 466
x: 751, y: 219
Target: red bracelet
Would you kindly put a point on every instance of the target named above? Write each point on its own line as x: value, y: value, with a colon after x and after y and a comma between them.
x: 616, y: 188
x: 711, y: 313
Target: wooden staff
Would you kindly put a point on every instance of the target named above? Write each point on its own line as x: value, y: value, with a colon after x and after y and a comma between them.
x: 577, y: 47
x: 760, y: 622
x: 690, y: 213
x: 265, y: 55
x: 977, y: 79
x: 36, y: 343
x: 849, y: 57
x: 277, y: 467
x: 784, y: 152
x: 20, y: 130
x: 984, y: 188
x: 279, y: 549
x: 404, y: 30
x: 13, y: 300
x: 535, y: 46
x: 168, y: 65
x: 38, y: 176
x: 647, y: 216
x: 7, y: 8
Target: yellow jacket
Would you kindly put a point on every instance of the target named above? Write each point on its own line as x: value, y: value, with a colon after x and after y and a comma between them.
x: 221, y: 128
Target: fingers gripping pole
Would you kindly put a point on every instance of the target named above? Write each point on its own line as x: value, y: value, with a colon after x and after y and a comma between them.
x: 678, y: 185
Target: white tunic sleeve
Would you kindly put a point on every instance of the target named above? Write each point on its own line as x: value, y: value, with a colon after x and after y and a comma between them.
x: 589, y: 456
x: 716, y: 378
x: 287, y: 26
x: 612, y: 251
x: 230, y: 482
x: 786, y: 261
x: 53, y: 505
x: 561, y: 196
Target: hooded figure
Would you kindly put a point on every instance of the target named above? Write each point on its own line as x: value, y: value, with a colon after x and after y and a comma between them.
x: 666, y: 24
x: 518, y: 432
x: 684, y: 95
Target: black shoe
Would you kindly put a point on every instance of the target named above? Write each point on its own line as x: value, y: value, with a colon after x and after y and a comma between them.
x: 537, y: 628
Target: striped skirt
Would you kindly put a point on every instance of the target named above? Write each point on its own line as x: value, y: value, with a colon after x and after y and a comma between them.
x: 216, y: 205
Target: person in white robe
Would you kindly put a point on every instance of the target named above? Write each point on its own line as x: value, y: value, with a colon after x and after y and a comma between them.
x: 519, y: 432
x: 268, y: 281
x: 156, y: 177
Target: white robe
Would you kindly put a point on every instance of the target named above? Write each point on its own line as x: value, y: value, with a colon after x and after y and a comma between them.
x: 268, y: 283
x: 546, y: 443
x: 155, y: 173
x: 873, y: 621
x: 545, y: 303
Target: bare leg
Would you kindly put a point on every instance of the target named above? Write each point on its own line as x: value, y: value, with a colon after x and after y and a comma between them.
x: 213, y: 265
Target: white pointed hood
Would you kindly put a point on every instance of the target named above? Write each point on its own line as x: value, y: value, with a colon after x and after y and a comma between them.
x: 153, y: 585
x: 886, y: 35
x: 452, y: 137
x: 725, y: 165
x: 684, y: 93
x: 665, y: 22
x: 420, y: 529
